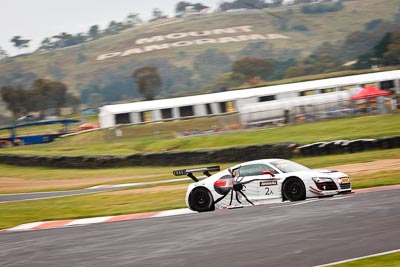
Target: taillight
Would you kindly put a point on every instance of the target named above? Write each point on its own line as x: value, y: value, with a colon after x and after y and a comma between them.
x: 220, y: 182
x: 223, y: 185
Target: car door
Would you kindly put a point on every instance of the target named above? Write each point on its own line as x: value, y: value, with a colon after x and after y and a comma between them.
x: 259, y: 181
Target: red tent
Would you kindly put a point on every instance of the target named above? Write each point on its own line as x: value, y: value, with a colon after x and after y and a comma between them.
x: 369, y: 91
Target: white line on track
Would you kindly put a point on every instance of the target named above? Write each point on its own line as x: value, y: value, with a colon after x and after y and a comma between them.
x: 289, y: 204
x: 26, y: 226
x: 35, y: 193
x: 89, y: 220
x: 359, y: 258
x: 339, y: 198
x: 50, y: 197
x: 168, y: 213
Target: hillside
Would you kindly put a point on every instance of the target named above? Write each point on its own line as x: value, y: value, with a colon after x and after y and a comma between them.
x: 176, y: 42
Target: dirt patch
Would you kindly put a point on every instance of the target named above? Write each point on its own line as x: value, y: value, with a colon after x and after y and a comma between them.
x: 368, y: 167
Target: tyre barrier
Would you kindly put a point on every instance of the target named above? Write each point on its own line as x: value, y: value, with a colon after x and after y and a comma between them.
x: 348, y: 146
x: 186, y: 158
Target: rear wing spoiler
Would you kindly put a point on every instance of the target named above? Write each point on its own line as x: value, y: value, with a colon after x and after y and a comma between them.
x: 189, y: 172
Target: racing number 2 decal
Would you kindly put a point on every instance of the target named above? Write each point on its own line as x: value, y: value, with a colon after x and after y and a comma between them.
x: 266, y: 184
x: 268, y: 191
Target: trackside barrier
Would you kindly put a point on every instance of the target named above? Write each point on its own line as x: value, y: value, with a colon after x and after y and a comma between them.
x: 185, y: 158
x: 348, y: 146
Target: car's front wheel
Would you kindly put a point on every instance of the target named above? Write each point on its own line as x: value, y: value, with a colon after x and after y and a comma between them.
x: 294, y: 190
x: 200, y: 199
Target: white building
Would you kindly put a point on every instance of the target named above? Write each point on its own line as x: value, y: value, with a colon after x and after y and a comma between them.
x: 237, y: 100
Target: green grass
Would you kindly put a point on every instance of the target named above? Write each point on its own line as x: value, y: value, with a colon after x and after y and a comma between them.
x: 127, y: 201
x: 12, y: 214
x: 160, y: 137
x: 375, y: 179
x: 147, y: 174
x: 390, y: 260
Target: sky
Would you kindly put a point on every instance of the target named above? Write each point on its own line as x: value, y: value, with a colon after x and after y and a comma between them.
x: 37, y: 19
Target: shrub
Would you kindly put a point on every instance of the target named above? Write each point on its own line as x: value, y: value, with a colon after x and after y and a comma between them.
x: 321, y: 8
x: 300, y: 27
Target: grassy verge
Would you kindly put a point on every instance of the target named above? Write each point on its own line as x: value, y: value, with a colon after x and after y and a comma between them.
x: 125, y: 202
x: 170, y: 197
x: 390, y: 260
x: 39, y: 178
x: 106, y: 143
x: 104, y: 204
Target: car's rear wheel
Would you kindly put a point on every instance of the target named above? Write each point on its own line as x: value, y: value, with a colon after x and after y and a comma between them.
x: 294, y: 190
x: 200, y: 199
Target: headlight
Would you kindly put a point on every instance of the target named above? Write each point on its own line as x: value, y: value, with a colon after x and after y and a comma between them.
x: 344, y: 180
x: 322, y: 180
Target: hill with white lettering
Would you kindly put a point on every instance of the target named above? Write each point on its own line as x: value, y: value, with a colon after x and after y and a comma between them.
x: 191, y: 54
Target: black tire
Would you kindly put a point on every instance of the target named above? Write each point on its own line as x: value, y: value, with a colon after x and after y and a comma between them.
x: 200, y: 199
x: 294, y: 190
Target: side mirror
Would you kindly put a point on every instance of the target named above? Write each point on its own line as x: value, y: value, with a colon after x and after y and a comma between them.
x: 268, y: 172
x: 234, y: 172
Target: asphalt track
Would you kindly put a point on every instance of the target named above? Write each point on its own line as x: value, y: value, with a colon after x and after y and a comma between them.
x: 305, y: 233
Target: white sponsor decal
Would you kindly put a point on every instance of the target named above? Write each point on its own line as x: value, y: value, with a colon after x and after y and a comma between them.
x: 171, y: 40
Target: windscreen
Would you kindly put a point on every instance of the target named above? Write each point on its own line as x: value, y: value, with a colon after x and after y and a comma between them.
x: 289, y: 166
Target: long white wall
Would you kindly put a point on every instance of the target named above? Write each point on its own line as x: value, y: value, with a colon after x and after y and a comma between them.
x: 238, y: 99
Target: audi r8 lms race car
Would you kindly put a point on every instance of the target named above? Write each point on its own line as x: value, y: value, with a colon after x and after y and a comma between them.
x: 259, y: 182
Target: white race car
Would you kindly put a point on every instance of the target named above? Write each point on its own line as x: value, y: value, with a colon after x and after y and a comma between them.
x: 259, y: 182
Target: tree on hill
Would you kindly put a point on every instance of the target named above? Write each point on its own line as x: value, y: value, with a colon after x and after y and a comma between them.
x: 358, y: 43
x: 181, y: 6
x: 239, y: 4
x: 256, y: 49
x: 251, y: 67
x: 385, y: 52
x: 294, y: 71
x: 62, y: 40
x: 115, y: 27
x: 94, y: 32
x: 157, y: 14
x: 148, y: 81
x: 227, y: 80
x: 375, y: 56
x: 132, y: 19
x: 47, y: 44
x: 321, y: 8
x: 17, y: 77
x: 50, y: 95
x: 211, y: 63
x: 19, y: 42
x: 42, y: 95
x: 3, y: 54
x: 72, y: 101
x: 314, y: 64
x: 15, y: 98
x: 392, y: 55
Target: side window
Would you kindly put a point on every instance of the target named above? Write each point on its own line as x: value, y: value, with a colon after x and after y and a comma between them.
x: 269, y: 168
x: 255, y: 169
